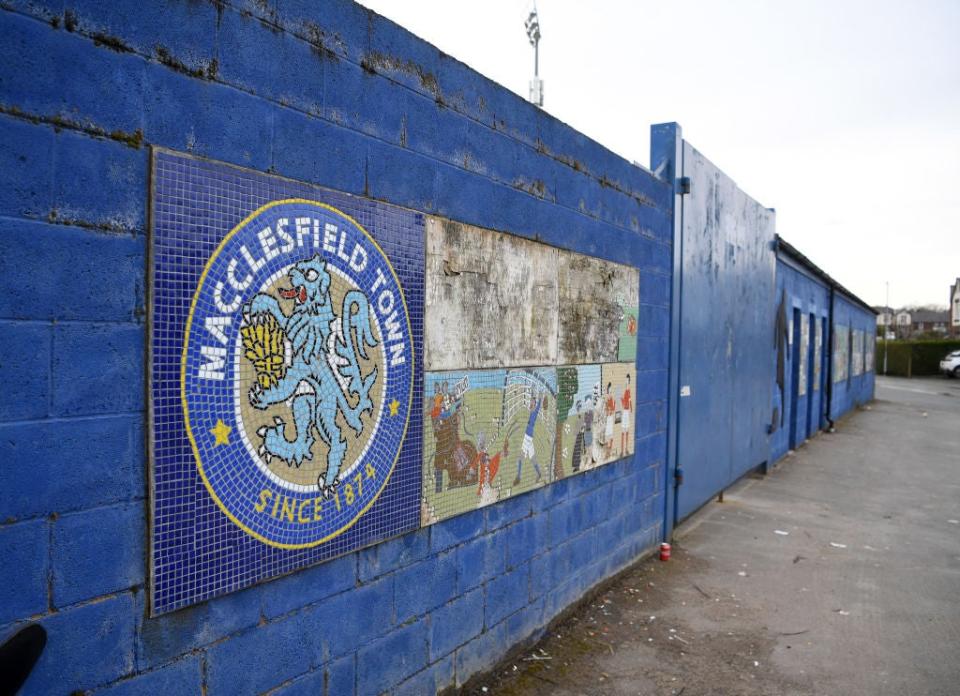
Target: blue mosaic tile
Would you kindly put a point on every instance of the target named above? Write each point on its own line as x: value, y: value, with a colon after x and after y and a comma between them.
x: 285, y: 376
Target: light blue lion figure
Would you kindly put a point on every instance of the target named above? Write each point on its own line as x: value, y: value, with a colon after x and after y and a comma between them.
x: 323, y: 373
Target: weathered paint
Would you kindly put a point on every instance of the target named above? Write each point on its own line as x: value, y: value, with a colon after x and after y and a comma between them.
x: 855, y: 389
x: 728, y: 277
x: 800, y: 414
x: 840, y: 359
x: 597, y: 300
x: 727, y: 414
x: 491, y: 299
x: 498, y: 300
x: 347, y: 100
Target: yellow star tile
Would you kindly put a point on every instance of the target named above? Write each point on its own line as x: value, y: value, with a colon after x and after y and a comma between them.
x: 394, y: 406
x: 221, y: 431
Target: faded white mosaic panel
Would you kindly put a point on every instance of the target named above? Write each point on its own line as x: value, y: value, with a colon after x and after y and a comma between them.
x: 491, y: 299
x: 597, y: 297
x: 498, y: 300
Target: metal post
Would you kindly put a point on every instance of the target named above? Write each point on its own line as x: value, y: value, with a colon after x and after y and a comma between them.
x: 532, y: 25
x: 885, y: 330
x: 666, y: 158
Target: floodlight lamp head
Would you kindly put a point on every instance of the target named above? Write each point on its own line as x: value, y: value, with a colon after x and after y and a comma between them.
x: 532, y: 25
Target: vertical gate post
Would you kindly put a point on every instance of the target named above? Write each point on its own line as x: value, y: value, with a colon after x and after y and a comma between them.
x: 666, y: 162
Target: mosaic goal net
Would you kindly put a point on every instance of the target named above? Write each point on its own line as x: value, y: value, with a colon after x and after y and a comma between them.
x: 518, y: 387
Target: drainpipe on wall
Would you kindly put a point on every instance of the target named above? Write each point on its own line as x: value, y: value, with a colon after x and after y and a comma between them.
x: 830, y: 364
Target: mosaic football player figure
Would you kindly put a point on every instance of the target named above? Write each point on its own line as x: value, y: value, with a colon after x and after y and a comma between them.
x: 437, y: 405
x: 588, y: 432
x: 577, y: 459
x: 527, y: 451
x: 626, y: 419
x: 487, y: 467
x: 609, y: 409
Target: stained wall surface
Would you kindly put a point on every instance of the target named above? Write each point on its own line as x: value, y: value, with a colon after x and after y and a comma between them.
x: 839, y: 370
x: 344, y: 99
x: 766, y: 349
x: 724, y: 318
x: 492, y: 299
x: 530, y: 312
x: 348, y: 101
x: 800, y: 416
x: 854, y: 386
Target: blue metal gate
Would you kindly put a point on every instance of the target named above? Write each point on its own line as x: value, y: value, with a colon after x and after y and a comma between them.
x: 727, y: 316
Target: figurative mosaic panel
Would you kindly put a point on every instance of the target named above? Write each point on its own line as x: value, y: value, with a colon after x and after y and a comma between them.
x: 817, y: 352
x: 804, y: 355
x: 595, y: 415
x: 841, y: 352
x: 857, y: 356
x: 487, y: 435
x: 529, y: 368
x: 869, y: 360
x: 284, y: 325
x: 627, y: 342
x: 491, y: 299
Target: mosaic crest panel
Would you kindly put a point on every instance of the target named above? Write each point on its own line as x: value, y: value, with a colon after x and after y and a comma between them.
x: 870, y: 346
x: 285, y: 325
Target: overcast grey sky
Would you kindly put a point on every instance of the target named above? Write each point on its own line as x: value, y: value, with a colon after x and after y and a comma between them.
x: 843, y: 115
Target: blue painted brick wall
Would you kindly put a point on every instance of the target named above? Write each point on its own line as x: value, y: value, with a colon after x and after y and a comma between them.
x: 342, y: 98
x: 811, y: 295
x: 857, y: 390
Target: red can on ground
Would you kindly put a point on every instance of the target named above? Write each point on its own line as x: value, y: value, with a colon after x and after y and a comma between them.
x: 664, y: 551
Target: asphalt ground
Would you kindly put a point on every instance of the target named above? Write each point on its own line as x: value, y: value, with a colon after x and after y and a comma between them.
x: 836, y: 573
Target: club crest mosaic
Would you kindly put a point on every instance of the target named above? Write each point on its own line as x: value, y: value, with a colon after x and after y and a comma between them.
x: 284, y: 375
x: 296, y: 373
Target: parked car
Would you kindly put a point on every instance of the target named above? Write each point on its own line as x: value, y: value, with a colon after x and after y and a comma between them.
x: 950, y: 365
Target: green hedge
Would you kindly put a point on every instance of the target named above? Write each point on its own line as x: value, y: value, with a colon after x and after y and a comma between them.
x: 911, y: 358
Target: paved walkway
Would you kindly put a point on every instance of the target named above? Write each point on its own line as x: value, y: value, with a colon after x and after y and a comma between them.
x: 838, y: 573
